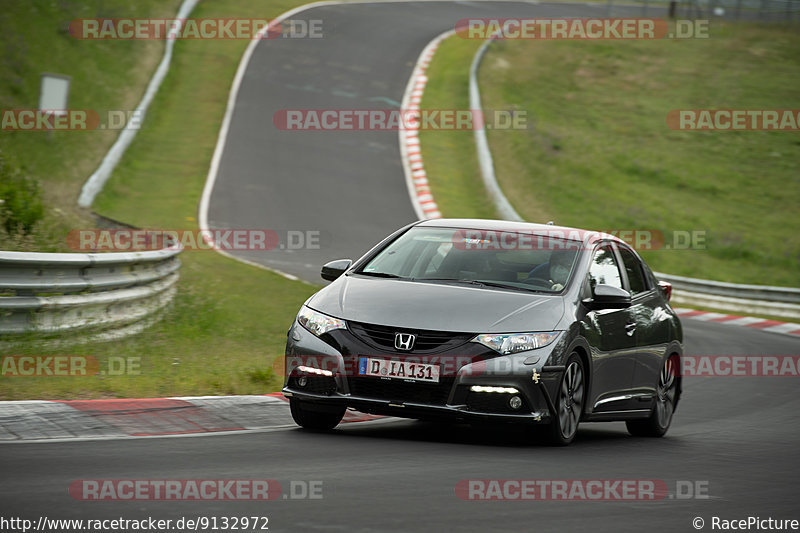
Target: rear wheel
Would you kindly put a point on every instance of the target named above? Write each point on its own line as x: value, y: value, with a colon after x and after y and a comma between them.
x: 666, y: 396
x: 316, y: 419
x: 569, y: 403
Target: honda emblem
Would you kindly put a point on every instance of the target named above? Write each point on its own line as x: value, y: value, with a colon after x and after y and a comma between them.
x: 404, y: 341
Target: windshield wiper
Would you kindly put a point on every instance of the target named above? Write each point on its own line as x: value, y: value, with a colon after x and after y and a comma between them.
x: 476, y: 282
x: 380, y: 275
x: 504, y: 286
x: 454, y: 280
x: 479, y: 283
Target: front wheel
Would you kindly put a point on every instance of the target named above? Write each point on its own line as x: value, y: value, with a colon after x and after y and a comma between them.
x: 666, y: 397
x: 317, y: 420
x: 569, y: 403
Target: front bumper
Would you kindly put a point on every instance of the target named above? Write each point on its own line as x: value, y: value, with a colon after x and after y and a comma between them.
x: 454, y: 400
x: 416, y: 410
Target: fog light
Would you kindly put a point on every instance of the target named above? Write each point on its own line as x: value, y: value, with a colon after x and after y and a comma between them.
x: 515, y: 402
x: 302, y: 381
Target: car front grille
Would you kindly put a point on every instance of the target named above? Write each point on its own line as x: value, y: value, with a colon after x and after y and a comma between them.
x: 426, y: 341
x: 401, y: 391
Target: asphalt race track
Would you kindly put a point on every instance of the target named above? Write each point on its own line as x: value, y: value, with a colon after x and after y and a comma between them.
x: 736, y: 436
x: 349, y: 186
x: 739, y: 435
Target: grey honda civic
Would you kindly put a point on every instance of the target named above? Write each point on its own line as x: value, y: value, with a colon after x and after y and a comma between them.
x: 487, y: 321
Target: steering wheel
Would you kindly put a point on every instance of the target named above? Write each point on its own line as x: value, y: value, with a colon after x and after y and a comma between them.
x: 536, y: 280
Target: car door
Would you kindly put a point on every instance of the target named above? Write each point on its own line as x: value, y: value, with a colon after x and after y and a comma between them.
x: 611, y: 333
x: 652, y: 332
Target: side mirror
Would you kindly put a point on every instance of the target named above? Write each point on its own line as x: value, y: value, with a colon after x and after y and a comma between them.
x: 608, y: 297
x: 334, y: 269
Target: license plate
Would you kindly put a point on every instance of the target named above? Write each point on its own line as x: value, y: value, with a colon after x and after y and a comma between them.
x: 410, y: 371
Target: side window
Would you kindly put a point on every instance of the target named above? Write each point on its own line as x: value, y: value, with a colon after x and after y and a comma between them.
x: 604, y: 269
x: 633, y: 267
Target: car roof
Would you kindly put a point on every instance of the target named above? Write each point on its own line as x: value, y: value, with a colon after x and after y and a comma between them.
x: 562, y: 232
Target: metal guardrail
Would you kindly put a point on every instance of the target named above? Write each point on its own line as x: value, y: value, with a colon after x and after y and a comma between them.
x: 757, y: 299
x: 53, y: 292
x: 733, y: 290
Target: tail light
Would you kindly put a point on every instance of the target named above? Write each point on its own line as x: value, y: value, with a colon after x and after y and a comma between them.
x: 666, y: 288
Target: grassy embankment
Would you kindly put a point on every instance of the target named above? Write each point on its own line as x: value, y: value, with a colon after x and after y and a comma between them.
x: 598, y: 152
x: 229, y: 320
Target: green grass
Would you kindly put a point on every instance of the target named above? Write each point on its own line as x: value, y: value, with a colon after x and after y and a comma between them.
x: 106, y: 75
x: 598, y: 153
x: 451, y: 162
x: 228, y: 323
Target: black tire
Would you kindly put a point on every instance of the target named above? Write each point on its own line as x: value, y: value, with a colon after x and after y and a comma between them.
x: 657, y: 424
x: 316, y: 420
x: 569, y: 402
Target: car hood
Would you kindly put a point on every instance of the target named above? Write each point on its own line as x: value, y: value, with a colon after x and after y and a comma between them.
x: 434, y: 306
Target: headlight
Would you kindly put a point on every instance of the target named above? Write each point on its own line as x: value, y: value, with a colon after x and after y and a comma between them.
x: 508, y: 343
x: 317, y: 323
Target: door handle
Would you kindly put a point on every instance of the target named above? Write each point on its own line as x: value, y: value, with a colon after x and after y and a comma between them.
x: 630, y: 329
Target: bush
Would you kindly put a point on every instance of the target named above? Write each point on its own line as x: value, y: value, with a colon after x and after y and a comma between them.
x: 20, y: 200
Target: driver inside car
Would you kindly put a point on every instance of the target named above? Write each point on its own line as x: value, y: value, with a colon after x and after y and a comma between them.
x: 556, y: 270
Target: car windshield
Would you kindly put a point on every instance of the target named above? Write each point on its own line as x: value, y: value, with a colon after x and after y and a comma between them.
x: 513, y: 260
